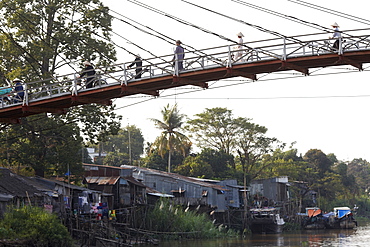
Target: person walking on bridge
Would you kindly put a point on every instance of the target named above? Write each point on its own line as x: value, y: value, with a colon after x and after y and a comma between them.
x: 138, y: 66
x: 239, y: 52
x: 89, y: 72
x: 337, y: 35
x: 18, y: 90
x: 178, y: 56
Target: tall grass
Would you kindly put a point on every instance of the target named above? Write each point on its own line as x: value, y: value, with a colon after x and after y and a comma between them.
x: 173, y: 221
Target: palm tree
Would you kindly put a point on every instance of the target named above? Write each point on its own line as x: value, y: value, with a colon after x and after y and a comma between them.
x: 170, y: 139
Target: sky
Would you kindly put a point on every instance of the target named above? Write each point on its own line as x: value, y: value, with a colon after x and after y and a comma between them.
x: 327, y: 110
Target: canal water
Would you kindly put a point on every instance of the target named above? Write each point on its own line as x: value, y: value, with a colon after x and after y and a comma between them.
x: 310, y: 238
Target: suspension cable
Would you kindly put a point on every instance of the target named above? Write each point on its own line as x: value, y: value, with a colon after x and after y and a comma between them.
x: 241, y: 21
x: 190, y: 24
x: 292, y: 18
x: 180, y: 20
x: 330, y: 11
x: 165, y: 37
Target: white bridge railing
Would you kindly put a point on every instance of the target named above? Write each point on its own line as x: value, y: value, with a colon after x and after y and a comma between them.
x: 222, y: 56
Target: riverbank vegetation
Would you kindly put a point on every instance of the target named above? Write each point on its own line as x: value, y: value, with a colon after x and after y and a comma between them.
x: 33, y: 226
x: 168, y: 221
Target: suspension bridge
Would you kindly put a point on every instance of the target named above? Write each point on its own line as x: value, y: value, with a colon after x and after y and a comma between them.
x: 300, y: 53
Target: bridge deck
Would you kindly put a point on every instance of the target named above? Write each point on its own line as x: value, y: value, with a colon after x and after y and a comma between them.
x: 267, y: 60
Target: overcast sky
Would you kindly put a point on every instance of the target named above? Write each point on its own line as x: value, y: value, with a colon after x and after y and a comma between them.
x: 327, y: 111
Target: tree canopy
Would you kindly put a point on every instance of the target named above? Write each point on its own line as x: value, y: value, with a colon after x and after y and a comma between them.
x: 39, y: 40
x: 41, y: 37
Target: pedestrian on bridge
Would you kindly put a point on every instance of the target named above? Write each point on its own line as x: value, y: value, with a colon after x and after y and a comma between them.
x: 89, y: 72
x: 337, y: 35
x: 138, y: 66
x: 179, y: 56
x: 239, y: 52
x: 18, y: 90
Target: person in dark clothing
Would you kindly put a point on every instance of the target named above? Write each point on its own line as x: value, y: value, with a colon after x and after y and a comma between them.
x: 138, y: 66
x: 178, y: 56
x: 19, y: 90
x: 89, y: 72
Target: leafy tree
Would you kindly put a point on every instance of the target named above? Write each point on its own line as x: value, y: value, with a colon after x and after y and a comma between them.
x: 215, y: 129
x: 220, y: 162
x: 171, y: 140
x: 318, y: 160
x: 284, y: 163
x: 45, y: 145
x: 360, y: 169
x: 252, y: 146
x: 155, y: 161
x: 195, y: 166
x: 128, y: 142
x: 40, y: 37
x: 116, y: 159
x: 96, y: 122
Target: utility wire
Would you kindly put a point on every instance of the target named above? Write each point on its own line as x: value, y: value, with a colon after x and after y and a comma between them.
x: 244, y: 82
x: 235, y: 84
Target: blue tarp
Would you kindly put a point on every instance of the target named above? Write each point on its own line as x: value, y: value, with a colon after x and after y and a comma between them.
x: 328, y: 214
x: 343, y: 212
x: 5, y: 90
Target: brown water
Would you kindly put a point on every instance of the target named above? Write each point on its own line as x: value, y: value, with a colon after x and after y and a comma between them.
x: 309, y: 238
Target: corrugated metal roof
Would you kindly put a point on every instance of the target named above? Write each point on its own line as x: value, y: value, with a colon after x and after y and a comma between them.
x: 16, y: 185
x: 177, y: 176
x: 102, y: 180
x: 134, y: 181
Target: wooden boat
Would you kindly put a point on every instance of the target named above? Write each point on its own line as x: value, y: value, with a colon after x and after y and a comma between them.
x: 266, y: 220
x: 341, y: 218
x: 313, y: 219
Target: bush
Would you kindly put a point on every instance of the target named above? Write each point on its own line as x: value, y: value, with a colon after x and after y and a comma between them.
x: 34, y: 225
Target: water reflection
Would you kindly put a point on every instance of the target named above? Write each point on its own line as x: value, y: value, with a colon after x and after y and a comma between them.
x: 307, y: 238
